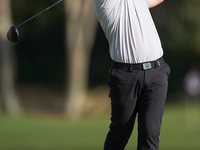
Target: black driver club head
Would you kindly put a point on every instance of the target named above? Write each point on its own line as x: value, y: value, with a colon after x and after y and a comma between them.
x: 13, y: 34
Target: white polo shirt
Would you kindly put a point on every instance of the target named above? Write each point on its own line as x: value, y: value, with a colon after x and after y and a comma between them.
x: 130, y: 30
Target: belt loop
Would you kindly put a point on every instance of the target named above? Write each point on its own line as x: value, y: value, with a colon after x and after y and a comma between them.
x: 157, y: 63
x: 130, y: 68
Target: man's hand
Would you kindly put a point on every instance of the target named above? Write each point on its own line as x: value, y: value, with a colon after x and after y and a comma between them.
x: 154, y: 3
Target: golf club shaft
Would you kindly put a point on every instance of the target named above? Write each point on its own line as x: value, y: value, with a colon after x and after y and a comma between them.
x: 39, y: 13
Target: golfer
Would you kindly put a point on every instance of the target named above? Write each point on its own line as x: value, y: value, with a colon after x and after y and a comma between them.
x: 138, y: 74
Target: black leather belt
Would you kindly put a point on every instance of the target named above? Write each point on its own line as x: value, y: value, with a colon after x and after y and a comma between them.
x: 139, y: 66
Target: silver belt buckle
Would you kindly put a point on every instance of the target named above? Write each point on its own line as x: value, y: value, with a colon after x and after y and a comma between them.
x: 146, y: 66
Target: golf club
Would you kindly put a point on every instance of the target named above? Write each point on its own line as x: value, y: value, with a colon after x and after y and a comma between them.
x: 13, y: 34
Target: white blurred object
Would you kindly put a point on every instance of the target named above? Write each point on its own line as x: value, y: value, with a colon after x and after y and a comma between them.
x: 192, y: 87
x: 192, y: 83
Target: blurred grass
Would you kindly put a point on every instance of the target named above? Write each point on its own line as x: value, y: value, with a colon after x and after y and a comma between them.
x: 179, y: 132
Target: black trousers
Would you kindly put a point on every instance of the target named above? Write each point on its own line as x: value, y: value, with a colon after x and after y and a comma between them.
x: 133, y: 92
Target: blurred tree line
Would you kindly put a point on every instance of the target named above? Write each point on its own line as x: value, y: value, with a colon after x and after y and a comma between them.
x: 49, y: 44
x: 179, y: 29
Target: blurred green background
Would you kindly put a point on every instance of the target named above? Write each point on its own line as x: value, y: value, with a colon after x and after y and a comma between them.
x: 41, y: 80
x: 46, y: 133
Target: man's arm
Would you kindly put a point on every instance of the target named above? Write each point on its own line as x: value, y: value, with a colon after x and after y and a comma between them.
x: 154, y: 3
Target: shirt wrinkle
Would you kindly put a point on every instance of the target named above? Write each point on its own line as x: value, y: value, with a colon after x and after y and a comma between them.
x: 130, y: 30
